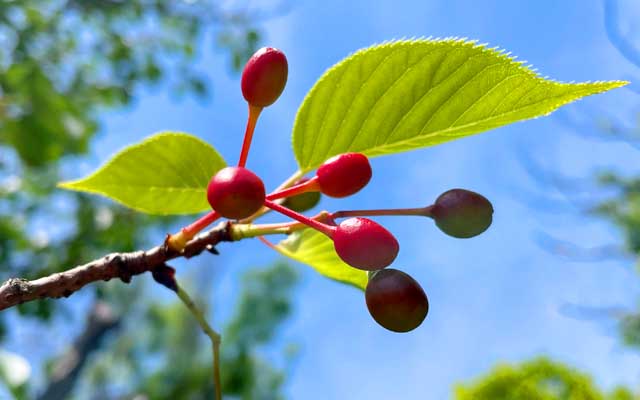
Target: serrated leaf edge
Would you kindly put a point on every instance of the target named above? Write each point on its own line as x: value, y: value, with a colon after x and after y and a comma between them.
x: 465, y: 42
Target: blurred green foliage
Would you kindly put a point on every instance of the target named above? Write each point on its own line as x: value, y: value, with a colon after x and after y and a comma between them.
x: 538, y: 379
x: 62, y: 64
x: 63, y: 61
x: 623, y: 209
x: 162, y: 353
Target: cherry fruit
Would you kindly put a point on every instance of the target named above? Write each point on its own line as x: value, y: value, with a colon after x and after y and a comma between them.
x: 264, y: 77
x: 364, y: 244
x: 462, y: 213
x: 344, y: 174
x: 304, y: 201
x: 396, y: 301
x: 235, y: 192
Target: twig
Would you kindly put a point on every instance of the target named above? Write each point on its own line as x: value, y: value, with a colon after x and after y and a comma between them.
x: 116, y: 265
x: 213, y: 336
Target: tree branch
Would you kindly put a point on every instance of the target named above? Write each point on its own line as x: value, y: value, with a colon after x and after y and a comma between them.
x: 116, y: 265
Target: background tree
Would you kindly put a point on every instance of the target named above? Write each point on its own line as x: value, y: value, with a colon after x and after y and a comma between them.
x: 63, y: 63
x: 542, y: 378
x: 538, y: 379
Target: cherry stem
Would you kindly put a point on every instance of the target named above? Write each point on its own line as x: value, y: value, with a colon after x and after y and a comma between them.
x: 210, y: 332
x: 201, y: 223
x: 266, y: 242
x: 178, y: 240
x: 191, y: 230
x: 254, y: 113
x: 311, y: 185
x: 242, y: 231
x: 422, y: 211
x: 287, y: 183
x: 319, y: 226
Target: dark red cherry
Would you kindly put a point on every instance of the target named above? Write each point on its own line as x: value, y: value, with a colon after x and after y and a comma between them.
x: 396, y: 301
x: 462, y: 213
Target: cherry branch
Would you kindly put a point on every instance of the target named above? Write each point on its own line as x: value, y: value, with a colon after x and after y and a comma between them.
x: 122, y: 266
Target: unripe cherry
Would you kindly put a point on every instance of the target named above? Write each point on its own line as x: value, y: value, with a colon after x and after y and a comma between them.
x: 304, y: 201
x: 264, y: 77
x: 462, y: 213
x: 344, y: 174
x: 235, y: 192
x: 364, y: 244
x: 396, y: 301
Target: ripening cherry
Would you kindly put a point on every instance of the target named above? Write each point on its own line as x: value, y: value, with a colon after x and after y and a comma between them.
x: 264, y: 77
x: 235, y: 192
x: 344, y: 174
x: 396, y: 301
x: 462, y: 213
x: 365, y: 244
x: 339, y: 176
x: 304, y: 201
x: 359, y: 242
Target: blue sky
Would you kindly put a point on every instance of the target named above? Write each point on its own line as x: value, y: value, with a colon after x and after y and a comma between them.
x: 493, y: 298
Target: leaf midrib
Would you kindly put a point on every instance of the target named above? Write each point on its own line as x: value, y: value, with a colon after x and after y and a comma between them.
x: 143, y: 186
x: 572, y: 96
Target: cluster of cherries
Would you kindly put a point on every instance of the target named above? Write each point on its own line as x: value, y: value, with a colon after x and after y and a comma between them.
x: 394, y: 299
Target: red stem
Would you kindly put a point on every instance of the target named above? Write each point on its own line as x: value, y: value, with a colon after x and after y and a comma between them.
x: 267, y: 242
x: 311, y: 185
x: 254, y: 113
x: 212, y: 216
x: 319, y: 226
x: 201, y: 223
x: 322, y: 216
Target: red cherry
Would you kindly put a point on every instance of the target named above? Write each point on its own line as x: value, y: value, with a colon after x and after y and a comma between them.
x: 396, y: 301
x: 365, y: 244
x: 236, y: 192
x: 264, y: 77
x: 344, y: 175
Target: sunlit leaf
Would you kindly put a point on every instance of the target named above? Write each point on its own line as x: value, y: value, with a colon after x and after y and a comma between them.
x: 403, y: 95
x: 164, y: 174
x: 316, y: 250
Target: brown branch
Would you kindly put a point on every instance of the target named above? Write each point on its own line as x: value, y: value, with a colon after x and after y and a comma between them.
x: 116, y: 265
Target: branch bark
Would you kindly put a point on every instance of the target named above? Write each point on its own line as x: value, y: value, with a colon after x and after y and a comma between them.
x: 116, y: 265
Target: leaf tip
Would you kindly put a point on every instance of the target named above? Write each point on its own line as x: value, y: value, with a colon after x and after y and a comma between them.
x: 67, y: 185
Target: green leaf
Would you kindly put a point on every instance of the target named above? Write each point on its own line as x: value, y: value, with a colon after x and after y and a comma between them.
x: 165, y: 174
x: 311, y: 247
x: 403, y: 95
